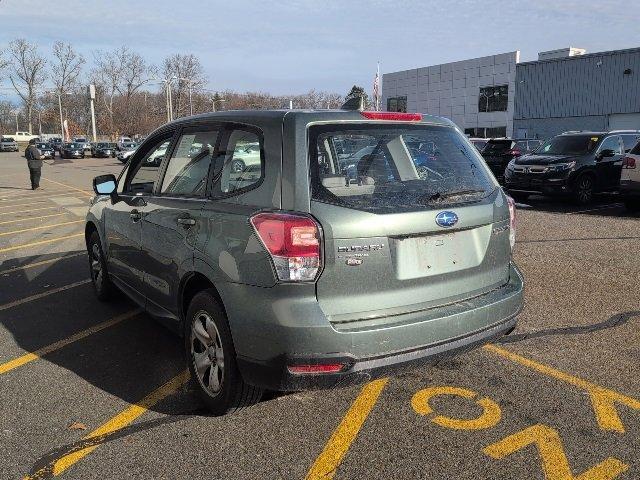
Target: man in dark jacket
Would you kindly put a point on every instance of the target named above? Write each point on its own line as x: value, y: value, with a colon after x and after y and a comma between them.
x: 34, y: 161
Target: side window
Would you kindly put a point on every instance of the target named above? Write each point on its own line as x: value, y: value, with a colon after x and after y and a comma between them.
x: 188, y: 167
x: 630, y: 141
x: 145, y: 172
x: 121, y: 179
x: 242, y: 158
x: 611, y: 143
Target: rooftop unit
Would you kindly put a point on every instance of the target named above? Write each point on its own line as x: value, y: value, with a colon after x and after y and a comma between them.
x: 561, y: 53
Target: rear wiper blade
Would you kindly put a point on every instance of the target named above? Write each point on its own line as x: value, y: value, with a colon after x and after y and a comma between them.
x: 457, y: 193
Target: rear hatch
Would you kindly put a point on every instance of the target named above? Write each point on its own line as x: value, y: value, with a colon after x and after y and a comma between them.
x: 415, y: 224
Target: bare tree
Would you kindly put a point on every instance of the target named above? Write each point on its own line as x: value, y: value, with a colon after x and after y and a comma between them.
x: 67, y: 66
x: 26, y: 73
x: 188, y: 78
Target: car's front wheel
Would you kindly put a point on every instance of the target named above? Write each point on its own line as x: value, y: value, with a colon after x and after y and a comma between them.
x: 98, y: 268
x: 237, y: 166
x: 212, y: 360
x: 583, y: 190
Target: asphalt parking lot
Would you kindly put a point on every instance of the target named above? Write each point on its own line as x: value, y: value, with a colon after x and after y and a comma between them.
x: 92, y: 390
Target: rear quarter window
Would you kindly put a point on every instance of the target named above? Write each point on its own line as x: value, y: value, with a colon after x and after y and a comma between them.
x: 395, y: 168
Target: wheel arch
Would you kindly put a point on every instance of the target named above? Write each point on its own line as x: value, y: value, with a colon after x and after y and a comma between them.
x: 193, y: 283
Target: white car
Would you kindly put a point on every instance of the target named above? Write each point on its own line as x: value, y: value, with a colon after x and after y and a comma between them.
x: 123, y: 142
x: 84, y: 142
x: 630, y: 179
x: 24, y: 136
x: 124, y: 156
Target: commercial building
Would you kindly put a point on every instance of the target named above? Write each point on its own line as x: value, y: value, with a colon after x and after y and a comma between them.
x: 477, y: 94
x: 598, y: 91
x: 565, y: 89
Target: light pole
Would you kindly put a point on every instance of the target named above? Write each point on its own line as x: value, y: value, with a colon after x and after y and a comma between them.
x: 17, y: 126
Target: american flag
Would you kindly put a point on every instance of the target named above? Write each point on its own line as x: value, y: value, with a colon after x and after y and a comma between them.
x: 376, y: 88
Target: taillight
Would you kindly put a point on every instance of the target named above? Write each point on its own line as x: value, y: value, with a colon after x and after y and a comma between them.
x: 515, y: 152
x: 293, y: 241
x: 628, y: 162
x: 512, y: 221
x: 398, y: 116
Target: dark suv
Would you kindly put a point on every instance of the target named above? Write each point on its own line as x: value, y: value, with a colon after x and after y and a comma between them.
x: 575, y: 164
x: 498, y: 152
x: 290, y: 273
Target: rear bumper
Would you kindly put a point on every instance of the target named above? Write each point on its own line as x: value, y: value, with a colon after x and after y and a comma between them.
x: 289, y: 334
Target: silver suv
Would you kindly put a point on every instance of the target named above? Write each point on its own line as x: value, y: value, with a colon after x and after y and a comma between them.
x: 298, y: 271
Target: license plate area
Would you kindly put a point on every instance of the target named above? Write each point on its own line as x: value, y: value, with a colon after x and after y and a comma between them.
x: 441, y: 253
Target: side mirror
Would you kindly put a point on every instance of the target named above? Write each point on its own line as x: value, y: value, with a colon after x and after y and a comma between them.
x: 607, y: 152
x: 104, y: 184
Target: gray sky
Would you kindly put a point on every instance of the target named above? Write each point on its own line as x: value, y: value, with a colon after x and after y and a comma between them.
x: 293, y: 46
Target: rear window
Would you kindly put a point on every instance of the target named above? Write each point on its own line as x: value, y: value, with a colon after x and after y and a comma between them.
x: 8, y: 140
x: 391, y: 169
x: 570, y: 145
x: 497, y: 146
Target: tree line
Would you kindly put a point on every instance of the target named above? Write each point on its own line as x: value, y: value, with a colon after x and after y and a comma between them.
x: 133, y: 97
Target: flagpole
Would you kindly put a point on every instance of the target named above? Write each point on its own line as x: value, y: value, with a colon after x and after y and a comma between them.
x: 378, y: 96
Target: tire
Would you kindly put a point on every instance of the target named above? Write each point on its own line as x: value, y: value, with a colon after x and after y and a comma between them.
x: 583, y: 190
x: 632, y: 204
x: 102, y: 285
x: 237, y: 166
x: 208, y: 336
x: 519, y: 197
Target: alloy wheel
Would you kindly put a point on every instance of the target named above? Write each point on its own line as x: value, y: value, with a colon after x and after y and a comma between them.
x: 585, y: 190
x: 207, y: 353
x: 96, y: 265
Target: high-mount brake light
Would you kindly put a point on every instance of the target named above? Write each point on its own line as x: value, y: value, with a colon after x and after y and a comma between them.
x: 395, y: 116
x: 512, y: 221
x: 293, y: 242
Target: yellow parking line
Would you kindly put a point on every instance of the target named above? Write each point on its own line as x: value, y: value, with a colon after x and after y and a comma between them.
x: 43, y: 262
x: 30, y: 298
x: 32, y: 210
x: 123, y: 419
x: 42, y: 194
x: 40, y: 199
x: 603, y: 400
x: 24, y: 219
x: 41, y: 227
x: 23, y: 204
x: 40, y: 242
x: 343, y: 436
x: 69, y: 186
x: 31, y: 356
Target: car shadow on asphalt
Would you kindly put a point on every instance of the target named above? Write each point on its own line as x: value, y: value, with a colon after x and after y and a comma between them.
x: 604, y: 205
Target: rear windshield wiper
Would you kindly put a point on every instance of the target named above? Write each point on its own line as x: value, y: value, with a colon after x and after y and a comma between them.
x: 438, y: 196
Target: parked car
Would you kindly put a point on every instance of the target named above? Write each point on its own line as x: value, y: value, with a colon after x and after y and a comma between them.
x: 479, y: 143
x: 123, y: 143
x: 86, y: 146
x: 46, y: 150
x: 103, y: 149
x: 124, y: 155
x: 574, y: 164
x: 630, y: 179
x: 498, y: 152
x: 8, y: 144
x: 72, y: 150
x: 368, y: 277
x: 56, y: 143
x: 24, y: 137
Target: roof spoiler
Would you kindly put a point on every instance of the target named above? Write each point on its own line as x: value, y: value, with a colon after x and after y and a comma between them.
x: 354, y: 104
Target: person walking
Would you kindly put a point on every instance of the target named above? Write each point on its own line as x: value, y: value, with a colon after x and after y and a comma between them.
x: 34, y: 161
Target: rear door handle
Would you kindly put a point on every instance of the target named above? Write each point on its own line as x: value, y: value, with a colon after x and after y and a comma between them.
x: 186, y: 222
x: 135, y: 215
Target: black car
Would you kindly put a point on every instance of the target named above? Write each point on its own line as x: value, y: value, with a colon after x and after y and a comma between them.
x: 55, y: 143
x: 103, y: 150
x: 72, y: 150
x: 46, y: 150
x: 498, y: 152
x: 574, y: 164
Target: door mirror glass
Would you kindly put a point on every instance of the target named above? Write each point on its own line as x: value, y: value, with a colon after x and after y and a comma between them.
x: 607, y: 152
x: 104, y: 184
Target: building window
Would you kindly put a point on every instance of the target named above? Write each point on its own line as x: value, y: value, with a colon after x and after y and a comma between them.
x: 397, y: 104
x: 493, y: 99
x: 486, y: 132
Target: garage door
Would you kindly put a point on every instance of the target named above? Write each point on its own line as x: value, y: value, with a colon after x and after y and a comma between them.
x: 624, y: 121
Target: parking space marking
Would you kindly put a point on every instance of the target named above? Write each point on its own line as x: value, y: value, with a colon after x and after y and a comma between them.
x: 46, y: 293
x: 490, y: 417
x: 25, y: 219
x: 41, y: 227
x: 100, y: 434
x: 69, y: 186
x: 42, y: 262
x: 23, y: 204
x: 343, y: 436
x: 555, y: 464
x: 40, y: 242
x: 43, y: 194
x: 41, y: 199
x: 35, y: 355
x: 603, y: 400
x: 32, y: 210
